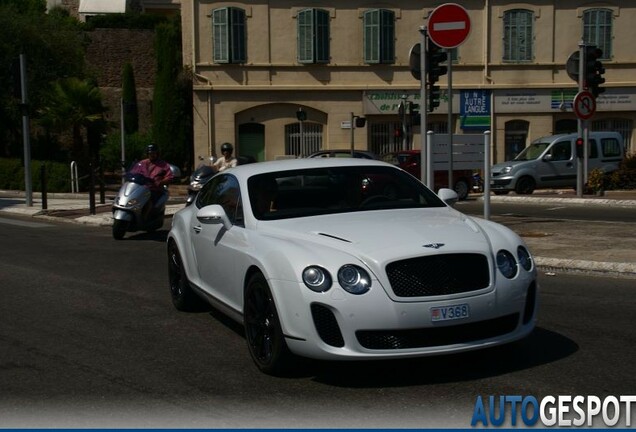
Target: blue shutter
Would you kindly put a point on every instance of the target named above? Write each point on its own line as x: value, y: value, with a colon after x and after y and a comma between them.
x: 220, y: 33
x: 239, y: 49
x: 597, y: 30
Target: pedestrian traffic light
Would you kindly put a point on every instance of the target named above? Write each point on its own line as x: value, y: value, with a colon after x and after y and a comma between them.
x: 434, y: 56
x: 594, y: 70
x: 397, y: 133
x: 580, y: 145
x: 301, y: 115
x: 434, y: 94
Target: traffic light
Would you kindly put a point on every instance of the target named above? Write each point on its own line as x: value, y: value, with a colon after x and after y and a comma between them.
x: 414, y: 111
x: 434, y: 94
x: 594, y: 70
x: 397, y: 133
x: 580, y: 143
x: 434, y: 56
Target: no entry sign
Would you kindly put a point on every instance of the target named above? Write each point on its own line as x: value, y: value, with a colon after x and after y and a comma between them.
x: 448, y: 25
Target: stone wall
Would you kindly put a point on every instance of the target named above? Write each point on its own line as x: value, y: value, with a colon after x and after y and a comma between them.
x: 109, y: 50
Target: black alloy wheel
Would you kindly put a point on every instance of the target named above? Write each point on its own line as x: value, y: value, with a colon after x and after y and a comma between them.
x: 263, y: 331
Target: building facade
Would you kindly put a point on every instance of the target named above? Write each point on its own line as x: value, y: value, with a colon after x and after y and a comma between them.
x: 284, y: 78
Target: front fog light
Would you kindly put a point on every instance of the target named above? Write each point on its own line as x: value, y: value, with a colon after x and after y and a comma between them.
x: 354, y: 279
x: 317, y: 278
x: 506, y: 264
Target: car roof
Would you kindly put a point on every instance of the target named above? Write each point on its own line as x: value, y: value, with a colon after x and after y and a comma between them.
x: 368, y: 153
x: 245, y: 171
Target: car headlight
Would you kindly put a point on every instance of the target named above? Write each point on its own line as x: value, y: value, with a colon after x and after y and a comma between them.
x: 506, y: 170
x: 506, y: 264
x: 317, y: 279
x: 525, y: 259
x: 354, y: 279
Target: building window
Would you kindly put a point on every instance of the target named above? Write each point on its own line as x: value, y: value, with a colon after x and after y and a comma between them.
x: 597, y: 30
x: 518, y: 25
x: 228, y: 27
x: 313, y: 36
x: 302, y: 140
x: 379, y: 36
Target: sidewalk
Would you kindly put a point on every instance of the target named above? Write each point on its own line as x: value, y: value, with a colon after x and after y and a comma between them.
x: 557, y: 245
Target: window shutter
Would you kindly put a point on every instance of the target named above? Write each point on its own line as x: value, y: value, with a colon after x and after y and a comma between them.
x: 221, y: 35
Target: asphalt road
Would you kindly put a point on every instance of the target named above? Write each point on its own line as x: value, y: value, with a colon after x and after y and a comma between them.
x: 89, y: 338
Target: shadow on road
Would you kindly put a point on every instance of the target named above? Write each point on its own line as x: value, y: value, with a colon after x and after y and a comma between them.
x: 158, y: 236
x: 543, y: 346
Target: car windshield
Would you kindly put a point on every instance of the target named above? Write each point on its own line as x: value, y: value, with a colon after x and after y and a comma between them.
x: 320, y: 191
x: 533, y: 151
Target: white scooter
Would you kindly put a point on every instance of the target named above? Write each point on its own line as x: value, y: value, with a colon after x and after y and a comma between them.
x: 129, y: 207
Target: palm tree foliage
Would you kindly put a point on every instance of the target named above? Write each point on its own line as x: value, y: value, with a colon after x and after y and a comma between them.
x: 74, y: 104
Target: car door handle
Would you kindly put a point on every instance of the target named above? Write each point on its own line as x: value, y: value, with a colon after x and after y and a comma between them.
x: 569, y: 165
x: 197, y: 228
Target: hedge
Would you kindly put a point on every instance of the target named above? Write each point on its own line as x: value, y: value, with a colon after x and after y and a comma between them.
x: 58, y: 175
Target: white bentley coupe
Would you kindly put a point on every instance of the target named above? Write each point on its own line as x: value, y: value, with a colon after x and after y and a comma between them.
x: 348, y: 259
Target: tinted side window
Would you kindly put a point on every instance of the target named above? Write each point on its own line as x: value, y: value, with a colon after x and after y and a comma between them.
x: 223, y: 190
x: 593, y: 149
x: 561, y: 151
x: 610, y: 147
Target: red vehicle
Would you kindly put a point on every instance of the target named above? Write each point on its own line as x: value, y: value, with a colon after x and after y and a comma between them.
x: 409, y: 161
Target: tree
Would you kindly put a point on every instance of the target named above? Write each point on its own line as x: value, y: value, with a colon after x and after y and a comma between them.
x: 76, y: 104
x: 172, y: 98
x: 53, y: 45
x: 129, y: 99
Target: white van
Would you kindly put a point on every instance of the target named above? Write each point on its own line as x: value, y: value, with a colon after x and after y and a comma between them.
x: 551, y: 162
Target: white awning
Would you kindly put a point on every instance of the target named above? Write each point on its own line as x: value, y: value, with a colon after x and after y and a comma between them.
x: 93, y: 7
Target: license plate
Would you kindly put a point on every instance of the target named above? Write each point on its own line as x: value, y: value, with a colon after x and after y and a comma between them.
x: 447, y: 313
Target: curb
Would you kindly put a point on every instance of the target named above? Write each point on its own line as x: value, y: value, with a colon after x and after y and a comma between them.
x: 594, y: 268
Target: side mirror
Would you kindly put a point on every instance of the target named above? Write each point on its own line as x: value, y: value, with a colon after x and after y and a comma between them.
x: 449, y: 196
x: 548, y: 157
x: 176, y: 172
x: 214, y: 214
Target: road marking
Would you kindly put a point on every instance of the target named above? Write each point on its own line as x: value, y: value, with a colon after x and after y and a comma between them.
x: 24, y: 223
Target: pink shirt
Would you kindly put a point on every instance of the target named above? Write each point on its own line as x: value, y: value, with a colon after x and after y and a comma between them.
x: 158, y: 170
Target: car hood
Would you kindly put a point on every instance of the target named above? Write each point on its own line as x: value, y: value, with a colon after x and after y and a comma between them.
x: 498, y: 167
x: 386, y: 235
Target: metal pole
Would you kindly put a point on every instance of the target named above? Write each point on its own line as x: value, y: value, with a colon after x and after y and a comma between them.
x: 352, y: 126
x: 487, y: 156
x: 450, y: 119
x: 303, y: 150
x: 26, y: 132
x: 123, y: 145
x: 579, y: 162
x: 430, y: 180
x: 423, y: 104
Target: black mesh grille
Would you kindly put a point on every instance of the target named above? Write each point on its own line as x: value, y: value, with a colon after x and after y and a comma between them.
x: 327, y: 326
x: 437, y: 336
x: 438, y: 275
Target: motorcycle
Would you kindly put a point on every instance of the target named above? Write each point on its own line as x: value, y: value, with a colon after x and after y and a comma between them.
x: 199, y: 177
x: 478, y: 182
x: 129, y: 208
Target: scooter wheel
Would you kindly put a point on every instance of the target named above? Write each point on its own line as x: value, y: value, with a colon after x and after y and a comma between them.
x: 119, y: 229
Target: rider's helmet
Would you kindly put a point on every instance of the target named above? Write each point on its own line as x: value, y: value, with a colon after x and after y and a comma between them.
x: 227, y: 147
x: 152, y: 148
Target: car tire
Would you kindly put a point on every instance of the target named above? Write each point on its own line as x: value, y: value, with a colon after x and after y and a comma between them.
x: 263, y: 331
x: 461, y: 187
x: 525, y: 186
x: 119, y: 229
x: 183, y: 297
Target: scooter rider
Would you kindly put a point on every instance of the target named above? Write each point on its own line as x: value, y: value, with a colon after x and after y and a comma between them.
x: 155, y: 169
x: 227, y: 161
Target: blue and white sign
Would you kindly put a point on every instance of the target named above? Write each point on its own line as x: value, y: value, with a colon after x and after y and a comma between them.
x: 475, y: 109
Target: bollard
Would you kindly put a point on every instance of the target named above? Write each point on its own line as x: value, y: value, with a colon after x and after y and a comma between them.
x: 91, y: 190
x: 43, y: 184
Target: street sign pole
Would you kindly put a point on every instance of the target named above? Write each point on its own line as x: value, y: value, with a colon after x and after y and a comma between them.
x: 579, y: 163
x: 423, y: 106
x: 450, y: 120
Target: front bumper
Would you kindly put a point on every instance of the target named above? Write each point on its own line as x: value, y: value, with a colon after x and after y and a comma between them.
x: 339, y: 326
